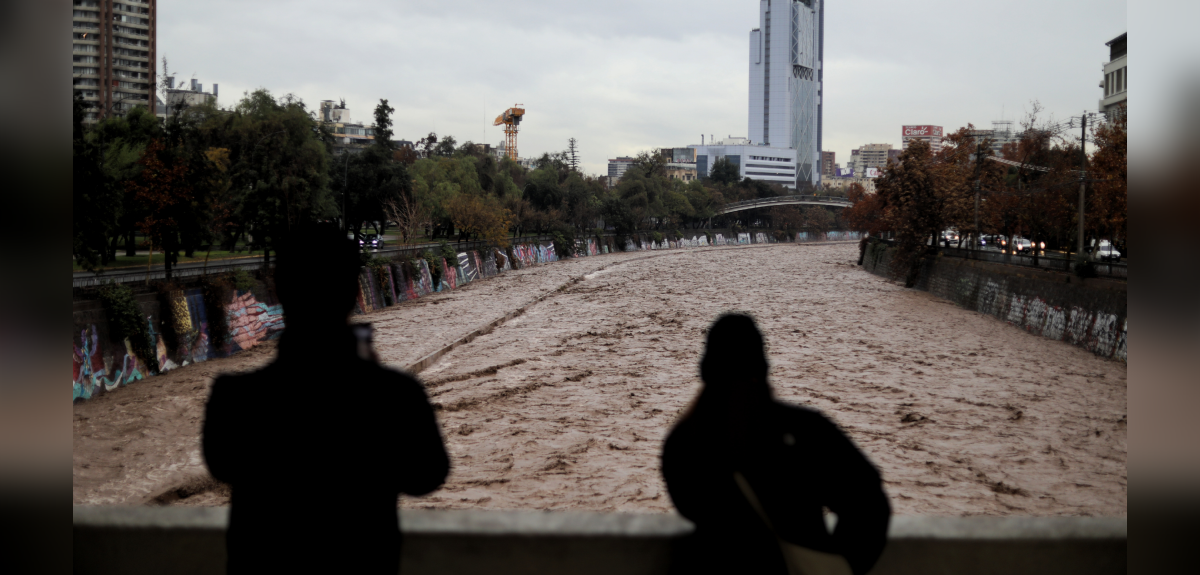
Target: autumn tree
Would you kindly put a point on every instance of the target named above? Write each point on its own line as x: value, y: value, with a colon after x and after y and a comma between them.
x: 1108, y: 212
x: 484, y: 217
x: 917, y: 191
x: 163, y: 188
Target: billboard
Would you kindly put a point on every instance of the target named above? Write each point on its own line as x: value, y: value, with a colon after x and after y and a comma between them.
x: 845, y: 172
x: 922, y: 131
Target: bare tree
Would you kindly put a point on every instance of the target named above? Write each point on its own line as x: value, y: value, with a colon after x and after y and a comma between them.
x: 410, y: 216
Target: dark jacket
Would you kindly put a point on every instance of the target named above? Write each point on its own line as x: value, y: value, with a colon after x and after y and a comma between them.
x: 317, y: 447
x: 797, y: 462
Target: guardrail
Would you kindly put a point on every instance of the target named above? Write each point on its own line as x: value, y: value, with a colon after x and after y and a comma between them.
x: 1047, y: 262
x: 133, y: 540
x: 191, y: 270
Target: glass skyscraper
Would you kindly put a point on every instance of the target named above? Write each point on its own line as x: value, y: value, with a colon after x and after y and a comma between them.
x: 786, y: 52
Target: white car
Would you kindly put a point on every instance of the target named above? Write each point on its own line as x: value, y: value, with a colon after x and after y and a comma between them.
x: 1106, y: 253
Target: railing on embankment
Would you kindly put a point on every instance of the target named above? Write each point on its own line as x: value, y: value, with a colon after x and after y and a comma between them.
x: 191, y: 270
x: 135, y: 540
x: 1050, y: 262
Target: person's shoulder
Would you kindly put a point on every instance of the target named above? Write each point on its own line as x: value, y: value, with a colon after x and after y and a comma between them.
x: 239, y: 380
x: 396, y: 378
x: 799, y: 415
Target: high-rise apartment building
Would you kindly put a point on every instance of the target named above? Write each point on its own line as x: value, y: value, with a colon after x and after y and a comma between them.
x: 113, y: 54
x: 786, y: 52
x: 874, y: 156
x: 828, y: 164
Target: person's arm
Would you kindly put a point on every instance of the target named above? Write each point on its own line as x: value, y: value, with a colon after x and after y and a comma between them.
x: 218, y: 436
x: 856, y: 495
x: 425, y: 464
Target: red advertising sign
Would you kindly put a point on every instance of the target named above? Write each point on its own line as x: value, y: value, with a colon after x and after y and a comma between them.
x: 923, y: 131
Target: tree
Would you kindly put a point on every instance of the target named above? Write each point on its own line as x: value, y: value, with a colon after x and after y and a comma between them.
x: 95, y: 204
x: 1109, y: 211
x: 724, y: 172
x: 408, y: 213
x: 915, y: 190
x: 383, y: 127
x: 163, y: 187
x: 484, y: 217
x: 280, y: 165
x: 868, y: 212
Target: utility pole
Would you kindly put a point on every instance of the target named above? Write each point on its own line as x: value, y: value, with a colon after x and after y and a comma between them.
x: 345, y: 190
x: 978, y: 177
x: 1082, y: 176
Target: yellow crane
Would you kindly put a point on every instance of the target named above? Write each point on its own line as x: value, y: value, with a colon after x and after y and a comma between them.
x: 511, y: 119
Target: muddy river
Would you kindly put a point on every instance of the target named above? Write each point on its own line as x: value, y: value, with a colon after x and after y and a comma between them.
x: 566, y: 405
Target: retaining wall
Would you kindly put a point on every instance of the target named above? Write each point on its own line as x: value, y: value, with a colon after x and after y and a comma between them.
x: 101, y: 363
x: 1088, y: 313
x: 133, y: 540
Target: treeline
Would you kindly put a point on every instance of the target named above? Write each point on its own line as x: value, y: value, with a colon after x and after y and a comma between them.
x: 925, y: 193
x: 207, y: 178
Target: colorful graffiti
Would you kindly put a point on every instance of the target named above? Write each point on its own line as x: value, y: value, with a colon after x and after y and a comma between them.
x: 90, y: 368
x: 251, y: 321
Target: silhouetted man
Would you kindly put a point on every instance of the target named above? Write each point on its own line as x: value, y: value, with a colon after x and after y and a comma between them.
x: 794, y: 460
x: 318, y: 445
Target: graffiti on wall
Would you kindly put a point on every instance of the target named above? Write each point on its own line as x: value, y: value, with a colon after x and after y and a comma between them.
x: 92, y: 370
x: 251, y: 321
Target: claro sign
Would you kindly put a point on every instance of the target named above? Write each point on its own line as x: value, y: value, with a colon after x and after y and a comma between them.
x: 923, y: 131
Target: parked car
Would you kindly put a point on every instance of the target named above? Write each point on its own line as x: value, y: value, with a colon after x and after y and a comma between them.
x: 1106, y: 253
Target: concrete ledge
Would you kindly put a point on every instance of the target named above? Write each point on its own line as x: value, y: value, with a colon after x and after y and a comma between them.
x: 191, y: 540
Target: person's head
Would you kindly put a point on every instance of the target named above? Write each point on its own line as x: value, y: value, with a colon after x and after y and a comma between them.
x: 316, y: 276
x: 735, y: 358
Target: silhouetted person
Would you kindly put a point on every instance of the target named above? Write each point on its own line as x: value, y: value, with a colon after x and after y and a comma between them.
x: 318, y: 445
x: 794, y: 459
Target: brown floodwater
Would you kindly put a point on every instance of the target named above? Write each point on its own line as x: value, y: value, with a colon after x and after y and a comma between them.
x: 566, y: 405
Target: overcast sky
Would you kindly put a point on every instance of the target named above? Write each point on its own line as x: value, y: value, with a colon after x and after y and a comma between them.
x: 624, y: 76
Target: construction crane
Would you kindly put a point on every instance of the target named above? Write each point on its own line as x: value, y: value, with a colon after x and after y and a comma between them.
x: 511, y: 119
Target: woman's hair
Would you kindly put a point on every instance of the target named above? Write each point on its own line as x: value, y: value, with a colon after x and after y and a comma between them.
x: 733, y: 353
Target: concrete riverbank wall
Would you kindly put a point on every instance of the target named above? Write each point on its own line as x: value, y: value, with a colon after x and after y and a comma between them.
x: 1089, y: 313
x: 101, y: 362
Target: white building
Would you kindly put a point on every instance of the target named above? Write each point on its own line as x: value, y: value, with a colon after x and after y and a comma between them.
x: 786, y: 52
x: 1116, y: 77
x: 773, y: 164
x: 186, y: 95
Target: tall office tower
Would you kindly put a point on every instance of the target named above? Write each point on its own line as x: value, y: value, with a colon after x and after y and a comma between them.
x: 786, y: 52
x: 113, y: 53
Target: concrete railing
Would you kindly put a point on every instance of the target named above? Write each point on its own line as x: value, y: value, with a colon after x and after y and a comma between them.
x: 133, y: 540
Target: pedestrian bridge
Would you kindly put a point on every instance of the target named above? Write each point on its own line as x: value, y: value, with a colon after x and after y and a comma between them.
x: 792, y: 200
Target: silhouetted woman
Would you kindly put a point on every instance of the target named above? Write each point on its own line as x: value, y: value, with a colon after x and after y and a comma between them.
x: 318, y: 445
x: 793, y: 460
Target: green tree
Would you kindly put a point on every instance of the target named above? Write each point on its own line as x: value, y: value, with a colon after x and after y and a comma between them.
x: 723, y: 171
x: 280, y: 165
